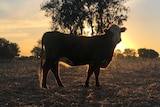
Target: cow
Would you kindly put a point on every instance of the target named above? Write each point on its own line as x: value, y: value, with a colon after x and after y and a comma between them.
x: 96, y: 51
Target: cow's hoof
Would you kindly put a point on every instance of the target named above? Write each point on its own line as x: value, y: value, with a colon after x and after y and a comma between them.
x: 97, y: 85
x: 86, y: 85
x: 45, y: 87
x: 61, y: 86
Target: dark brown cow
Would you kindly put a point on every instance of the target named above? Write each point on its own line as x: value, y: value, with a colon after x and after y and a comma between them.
x: 97, y: 51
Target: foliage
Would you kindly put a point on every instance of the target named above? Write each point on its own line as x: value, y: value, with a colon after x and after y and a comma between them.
x: 129, y: 53
x: 8, y: 50
x: 71, y: 15
x: 36, y: 51
x: 118, y: 54
x: 147, y: 53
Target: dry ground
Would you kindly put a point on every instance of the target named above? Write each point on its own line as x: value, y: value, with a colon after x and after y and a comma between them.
x: 125, y: 83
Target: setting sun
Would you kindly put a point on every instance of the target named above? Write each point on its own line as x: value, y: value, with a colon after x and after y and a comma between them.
x: 124, y: 42
x: 87, y: 31
x: 120, y: 46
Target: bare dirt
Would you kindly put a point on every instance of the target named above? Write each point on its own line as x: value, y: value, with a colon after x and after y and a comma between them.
x: 125, y: 83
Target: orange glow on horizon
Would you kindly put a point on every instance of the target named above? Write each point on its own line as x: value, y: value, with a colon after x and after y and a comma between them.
x: 126, y: 42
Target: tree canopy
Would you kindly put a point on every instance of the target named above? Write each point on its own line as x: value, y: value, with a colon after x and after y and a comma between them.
x: 147, y: 53
x: 129, y: 53
x: 8, y: 50
x: 73, y: 15
x: 36, y: 51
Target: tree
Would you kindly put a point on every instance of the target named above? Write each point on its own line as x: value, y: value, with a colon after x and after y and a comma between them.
x: 8, y: 50
x: 130, y: 53
x: 36, y: 51
x: 147, y: 53
x: 118, y: 54
x: 71, y: 15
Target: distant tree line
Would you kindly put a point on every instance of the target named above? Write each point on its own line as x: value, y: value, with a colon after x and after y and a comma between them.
x: 132, y: 53
x: 36, y: 51
x: 8, y: 50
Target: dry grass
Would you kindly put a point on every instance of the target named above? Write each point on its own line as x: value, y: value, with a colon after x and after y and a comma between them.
x: 124, y: 83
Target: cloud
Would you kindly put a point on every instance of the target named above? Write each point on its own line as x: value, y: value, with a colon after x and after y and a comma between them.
x: 22, y: 22
x: 17, y: 9
x: 14, y: 24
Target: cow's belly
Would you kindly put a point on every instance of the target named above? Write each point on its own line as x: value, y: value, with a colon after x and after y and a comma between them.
x: 66, y: 60
x: 74, y: 63
x: 103, y: 64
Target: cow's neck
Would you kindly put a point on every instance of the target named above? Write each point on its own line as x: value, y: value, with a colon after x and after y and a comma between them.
x: 112, y: 45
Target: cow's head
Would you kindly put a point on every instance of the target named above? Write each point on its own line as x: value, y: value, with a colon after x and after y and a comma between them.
x: 116, y: 33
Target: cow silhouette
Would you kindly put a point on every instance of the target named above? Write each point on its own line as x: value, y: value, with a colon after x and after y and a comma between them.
x: 97, y: 51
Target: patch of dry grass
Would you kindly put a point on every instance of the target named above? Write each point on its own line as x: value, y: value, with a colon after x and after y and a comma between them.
x: 125, y: 83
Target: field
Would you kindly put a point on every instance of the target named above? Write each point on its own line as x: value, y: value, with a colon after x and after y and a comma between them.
x: 124, y: 83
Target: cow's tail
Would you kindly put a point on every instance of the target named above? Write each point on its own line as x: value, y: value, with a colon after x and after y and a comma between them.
x: 40, y: 73
x: 42, y: 50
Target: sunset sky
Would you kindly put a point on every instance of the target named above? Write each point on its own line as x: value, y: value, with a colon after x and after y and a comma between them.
x: 22, y: 22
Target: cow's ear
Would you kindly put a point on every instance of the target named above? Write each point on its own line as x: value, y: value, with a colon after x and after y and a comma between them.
x: 123, y: 29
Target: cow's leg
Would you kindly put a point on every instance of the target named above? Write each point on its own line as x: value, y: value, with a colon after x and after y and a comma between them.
x: 96, y: 72
x: 54, y: 69
x: 90, y: 72
x: 46, y: 68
